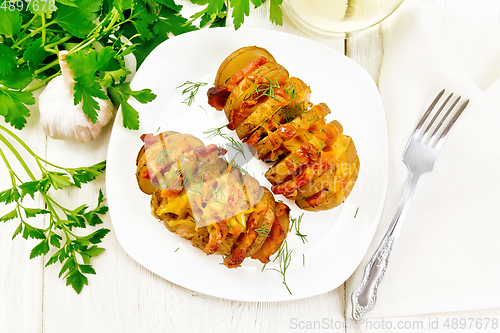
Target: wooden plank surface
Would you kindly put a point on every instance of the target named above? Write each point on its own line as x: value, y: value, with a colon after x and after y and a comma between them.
x: 125, y: 297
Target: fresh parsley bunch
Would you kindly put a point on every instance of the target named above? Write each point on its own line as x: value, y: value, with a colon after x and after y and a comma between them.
x: 97, y: 34
x: 74, y: 252
x: 216, y: 11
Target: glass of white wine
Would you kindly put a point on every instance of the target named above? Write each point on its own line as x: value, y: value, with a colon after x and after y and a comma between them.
x: 338, y: 18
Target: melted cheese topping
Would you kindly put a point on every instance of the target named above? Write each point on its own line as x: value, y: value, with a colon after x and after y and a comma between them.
x: 331, y: 145
x: 214, y: 210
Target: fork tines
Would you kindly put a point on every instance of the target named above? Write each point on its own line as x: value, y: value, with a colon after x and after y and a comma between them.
x: 438, y: 136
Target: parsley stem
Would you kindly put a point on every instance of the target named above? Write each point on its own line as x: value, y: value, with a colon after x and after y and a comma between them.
x: 42, y: 83
x: 34, y: 32
x: 32, y: 153
x: 115, y: 17
x: 60, y: 41
x: 58, y: 206
x: 44, y: 68
x: 48, y: 201
x: 44, y: 32
x: 25, y: 26
x: 11, y: 172
x: 16, y: 154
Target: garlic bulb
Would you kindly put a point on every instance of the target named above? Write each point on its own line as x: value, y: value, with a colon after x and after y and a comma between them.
x: 60, y: 118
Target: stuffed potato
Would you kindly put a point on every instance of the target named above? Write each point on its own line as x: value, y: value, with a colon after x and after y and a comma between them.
x: 316, y: 164
x: 202, y: 198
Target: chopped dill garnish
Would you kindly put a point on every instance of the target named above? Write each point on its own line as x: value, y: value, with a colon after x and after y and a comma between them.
x: 233, y: 143
x: 323, y: 144
x: 303, y: 259
x: 266, y: 89
x: 213, y: 132
x: 356, y: 212
x: 292, y: 112
x: 263, y: 231
x: 296, y: 225
x: 191, y: 88
x: 176, y: 250
x: 285, y: 257
x: 237, y: 146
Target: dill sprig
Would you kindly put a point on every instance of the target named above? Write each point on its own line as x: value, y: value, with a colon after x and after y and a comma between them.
x: 284, y: 258
x: 235, y: 165
x: 213, y: 132
x: 263, y: 231
x: 233, y: 143
x: 296, y: 225
x: 191, y: 88
x: 266, y: 89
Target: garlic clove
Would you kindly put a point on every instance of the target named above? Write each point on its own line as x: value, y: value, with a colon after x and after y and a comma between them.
x: 60, y: 118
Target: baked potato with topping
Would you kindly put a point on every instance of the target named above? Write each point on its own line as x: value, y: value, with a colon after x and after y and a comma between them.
x: 202, y: 198
x: 315, y: 163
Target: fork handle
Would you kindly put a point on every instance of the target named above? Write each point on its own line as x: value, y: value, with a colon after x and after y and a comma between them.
x: 364, y: 296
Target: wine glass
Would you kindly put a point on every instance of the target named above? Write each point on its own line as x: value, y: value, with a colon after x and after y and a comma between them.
x: 338, y: 18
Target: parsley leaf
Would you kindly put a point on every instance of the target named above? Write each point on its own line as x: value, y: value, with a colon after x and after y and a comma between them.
x: 42, y: 248
x: 19, y: 78
x: 10, y: 22
x: 276, y: 15
x: 241, y: 8
x: 121, y: 93
x: 13, y: 106
x: 86, y: 96
x: 170, y: 4
x: 257, y: 3
x: 215, y: 6
x: 29, y: 188
x: 35, y: 54
x: 9, y: 216
x: 77, y: 280
x: 10, y: 195
x: 87, y: 174
x: 169, y: 21
x: 78, y: 20
x: 174, y: 23
x: 8, y: 59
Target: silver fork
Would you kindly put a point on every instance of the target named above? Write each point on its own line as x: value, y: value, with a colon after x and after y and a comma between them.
x: 419, y: 156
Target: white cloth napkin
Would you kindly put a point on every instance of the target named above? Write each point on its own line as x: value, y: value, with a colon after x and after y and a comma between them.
x: 447, y: 257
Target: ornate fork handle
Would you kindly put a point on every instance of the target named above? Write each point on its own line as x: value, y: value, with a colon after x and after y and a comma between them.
x: 364, y: 296
x: 419, y: 156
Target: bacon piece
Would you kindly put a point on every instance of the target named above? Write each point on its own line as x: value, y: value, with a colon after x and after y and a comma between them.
x: 316, y: 199
x: 217, y: 97
x: 286, y: 132
x: 217, y: 235
x: 277, y: 234
x: 239, y: 115
x: 290, y: 187
x: 252, y: 65
x: 244, y: 241
x: 254, y: 138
